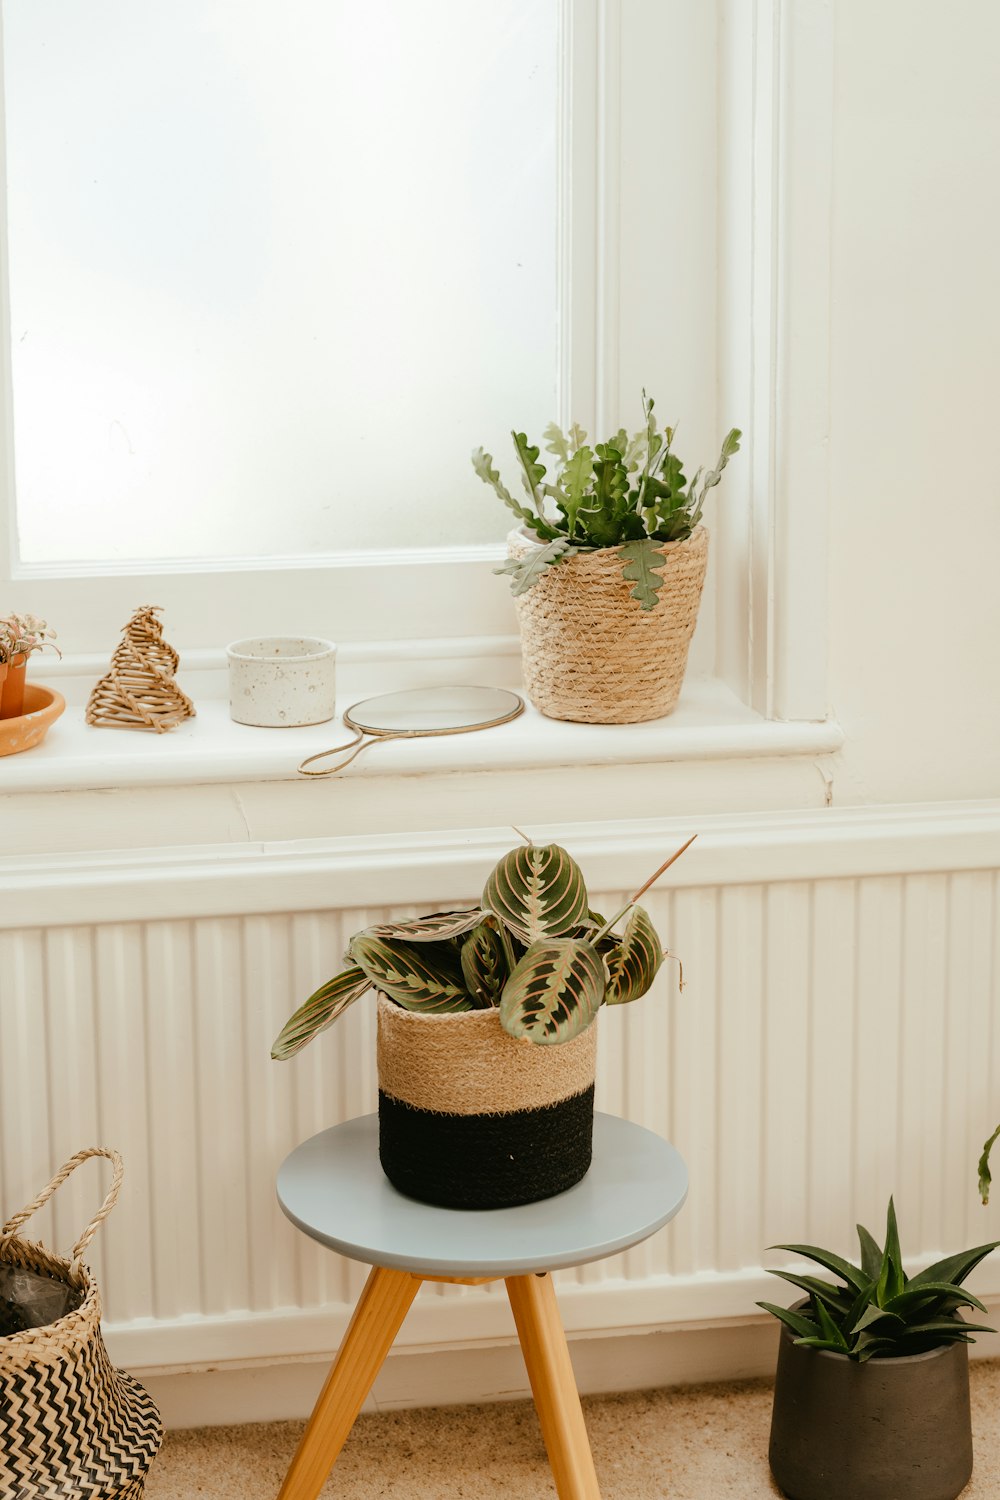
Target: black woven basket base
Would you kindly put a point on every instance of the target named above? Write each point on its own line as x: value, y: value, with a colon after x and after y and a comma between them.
x: 486, y: 1161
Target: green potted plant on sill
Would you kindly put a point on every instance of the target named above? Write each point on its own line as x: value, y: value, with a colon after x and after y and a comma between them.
x: 871, y: 1395
x: 486, y: 1041
x: 20, y: 635
x: 607, y: 566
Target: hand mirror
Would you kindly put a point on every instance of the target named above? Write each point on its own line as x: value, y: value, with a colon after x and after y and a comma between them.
x: 417, y: 713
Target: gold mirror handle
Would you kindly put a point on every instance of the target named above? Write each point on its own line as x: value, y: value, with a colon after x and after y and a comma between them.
x: 337, y: 750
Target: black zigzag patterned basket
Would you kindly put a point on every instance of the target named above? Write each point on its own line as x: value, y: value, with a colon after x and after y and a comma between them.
x: 72, y: 1427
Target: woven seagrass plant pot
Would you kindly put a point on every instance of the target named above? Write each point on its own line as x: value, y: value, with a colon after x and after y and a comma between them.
x: 72, y: 1427
x: 845, y: 1430
x: 471, y: 1117
x: 589, y: 652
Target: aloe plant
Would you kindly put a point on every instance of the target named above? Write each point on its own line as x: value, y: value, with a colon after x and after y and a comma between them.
x: 630, y: 493
x: 533, y: 949
x: 876, y: 1310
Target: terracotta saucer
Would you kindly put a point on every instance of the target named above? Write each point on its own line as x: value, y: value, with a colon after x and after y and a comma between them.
x: 42, y: 706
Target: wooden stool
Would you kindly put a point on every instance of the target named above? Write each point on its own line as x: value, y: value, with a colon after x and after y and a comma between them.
x: 333, y: 1188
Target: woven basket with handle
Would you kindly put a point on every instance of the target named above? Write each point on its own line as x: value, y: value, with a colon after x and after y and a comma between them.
x: 589, y: 652
x: 72, y: 1427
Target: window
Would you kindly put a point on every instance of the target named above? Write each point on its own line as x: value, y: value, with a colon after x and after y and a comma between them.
x: 624, y: 188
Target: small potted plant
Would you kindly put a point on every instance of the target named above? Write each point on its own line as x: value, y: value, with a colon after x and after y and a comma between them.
x: 486, y: 1041
x: 20, y: 635
x: 607, y: 568
x: 871, y: 1396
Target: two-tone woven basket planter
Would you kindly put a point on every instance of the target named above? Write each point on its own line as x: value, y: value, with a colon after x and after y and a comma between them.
x: 72, y: 1427
x: 589, y: 652
x: 470, y: 1117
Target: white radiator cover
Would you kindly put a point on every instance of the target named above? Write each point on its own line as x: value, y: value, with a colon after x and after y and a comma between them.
x: 837, y: 1040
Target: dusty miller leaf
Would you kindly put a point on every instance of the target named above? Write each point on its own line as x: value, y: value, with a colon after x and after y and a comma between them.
x: 526, y: 571
x: 555, y: 441
x: 532, y: 472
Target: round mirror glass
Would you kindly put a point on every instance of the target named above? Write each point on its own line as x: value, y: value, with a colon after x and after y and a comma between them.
x: 434, y: 710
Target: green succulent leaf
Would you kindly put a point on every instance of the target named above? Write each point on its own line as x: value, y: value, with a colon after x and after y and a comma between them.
x: 875, y: 1314
x: 484, y: 964
x: 431, y: 929
x: 644, y: 564
x: 834, y: 1297
x: 554, y: 992
x: 829, y: 1262
x: 930, y: 1293
x: 946, y: 1328
x: 577, y: 436
x: 634, y: 960
x: 835, y: 1346
x: 417, y: 976
x: 871, y: 1253
x: 320, y: 1011
x: 792, y: 1319
x: 609, y: 519
x: 828, y: 1328
x: 954, y: 1268
x: 537, y: 891
x: 526, y: 571
x: 985, y: 1176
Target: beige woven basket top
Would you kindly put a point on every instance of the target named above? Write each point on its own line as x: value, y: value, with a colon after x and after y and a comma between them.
x: 466, y: 1064
x: 590, y: 653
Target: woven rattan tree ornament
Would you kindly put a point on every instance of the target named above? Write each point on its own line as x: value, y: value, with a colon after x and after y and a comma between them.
x: 140, y: 691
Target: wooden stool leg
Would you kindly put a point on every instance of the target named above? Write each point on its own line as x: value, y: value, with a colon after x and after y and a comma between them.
x: 553, y: 1385
x: 377, y: 1319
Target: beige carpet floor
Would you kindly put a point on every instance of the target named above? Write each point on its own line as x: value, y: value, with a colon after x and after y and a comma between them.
x: 700, y: 1443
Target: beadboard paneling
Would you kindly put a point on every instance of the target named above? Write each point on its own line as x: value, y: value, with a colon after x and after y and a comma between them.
x: 835, y: 1040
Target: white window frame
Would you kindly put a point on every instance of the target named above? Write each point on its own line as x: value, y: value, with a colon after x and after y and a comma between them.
x: 741, y: 132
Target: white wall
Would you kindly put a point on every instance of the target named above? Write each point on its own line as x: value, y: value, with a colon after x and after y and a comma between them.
x: 915, y: 504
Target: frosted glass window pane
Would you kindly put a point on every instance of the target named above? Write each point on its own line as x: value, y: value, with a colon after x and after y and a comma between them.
x: 275, y: 269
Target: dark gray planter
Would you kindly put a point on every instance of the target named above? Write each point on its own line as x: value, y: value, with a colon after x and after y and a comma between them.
x: 889, y: 1429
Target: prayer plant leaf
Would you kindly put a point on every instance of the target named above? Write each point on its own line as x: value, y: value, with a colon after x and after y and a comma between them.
x: 554, y: 992
x: 484, y: 964
x: 320, y: 1011
x: 415, y: 975
x: 537, y: 891
x: 634, y: 960
x: 431, y: 929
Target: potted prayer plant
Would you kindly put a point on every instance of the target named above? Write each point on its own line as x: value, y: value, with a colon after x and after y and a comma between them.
x: 607, y: 568
x: 20, y: 635
x: 486, y: 1041
x: 871, y: 1397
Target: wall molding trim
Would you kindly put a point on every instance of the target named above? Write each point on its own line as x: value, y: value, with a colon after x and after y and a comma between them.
x: 308, y: 875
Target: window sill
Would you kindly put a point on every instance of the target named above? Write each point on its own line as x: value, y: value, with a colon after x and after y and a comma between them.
x: 710, y: 723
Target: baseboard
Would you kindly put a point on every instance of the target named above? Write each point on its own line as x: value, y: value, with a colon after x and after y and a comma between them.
x: 469, y: 1376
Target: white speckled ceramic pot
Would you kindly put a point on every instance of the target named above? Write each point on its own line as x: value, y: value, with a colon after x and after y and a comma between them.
x: 281, y: 681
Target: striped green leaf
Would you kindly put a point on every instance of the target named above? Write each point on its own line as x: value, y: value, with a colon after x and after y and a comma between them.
x: 417, y: 976
x: 320, y: 1011
x: 633, y: 961
x: 554, y: 992
x: 432, y: 929
x: 484, y: 964
x: 537, y: 892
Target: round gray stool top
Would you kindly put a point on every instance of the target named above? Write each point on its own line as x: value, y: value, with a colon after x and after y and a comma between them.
x: 333, y: 1188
